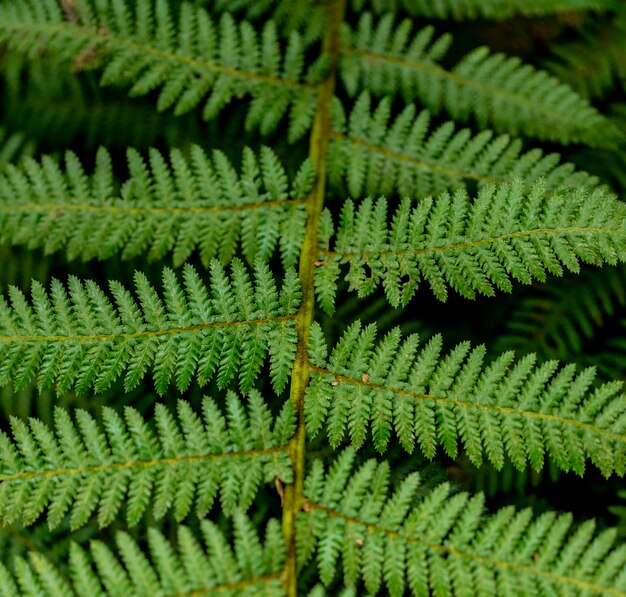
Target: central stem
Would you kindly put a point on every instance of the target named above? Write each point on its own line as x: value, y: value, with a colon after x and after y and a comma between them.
x: 320, y: 138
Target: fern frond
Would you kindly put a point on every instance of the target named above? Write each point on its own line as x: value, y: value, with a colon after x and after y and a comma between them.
x: 507, y: 232
x: 517, y: 409
x: 497, y: 91
x: 83, y: 340
x: 165, y: 206
x: 377, y: 156
x: 149, y: 45
x: 82, y: 467
x: 554, y: 320
x: 249, y: 567
x: 442, y: 544
x: 458, y: 10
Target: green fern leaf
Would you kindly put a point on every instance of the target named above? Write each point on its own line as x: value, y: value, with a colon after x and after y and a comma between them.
x: 163, y: 207
x: 432, y: 545
x: 81, y: 339
x: 506, y: 232
x: 247, y: 568
x: 495, y: 90
x: 520, y: 410
x: 84, y: 468
x: 377, y: 156
x: 150, y: 45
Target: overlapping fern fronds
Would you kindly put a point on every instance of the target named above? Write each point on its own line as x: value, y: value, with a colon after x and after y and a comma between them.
x: 393, y: 541
x: 554, y: 320
x: 377, y: 156
x: 493, y: 90
x: 147, y: 46
x: 484, y: 9
x: 164, y: 206
x: 507, y: 232
x: 247, y: 566
x: 78, y: 338
x: 84, y: 468
x: 521, y: 410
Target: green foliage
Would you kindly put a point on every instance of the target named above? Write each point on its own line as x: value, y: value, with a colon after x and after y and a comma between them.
x: 147, y: 46
x: 434, y: 546
x: 376, y: 156
x: 430, y: 399
x: 164, y: 206
x: 285, y: 155
x: 183, y: 461
x: 484, y: 9
x: 77, y: 338
x: 506, y: 232
x: 247, y: 567
x: 389, y: 57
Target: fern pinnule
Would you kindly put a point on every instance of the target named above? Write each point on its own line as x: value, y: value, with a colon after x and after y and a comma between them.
x: 522, y: 410
x: 496, y: 91
x: 84, y: 467
x: 80, y: 339
x: 507, y: 232
x: 149, y: 45
x: 376, y: 155
x: 432, y: 545
x: 248, y: 566
x: 174, y: 205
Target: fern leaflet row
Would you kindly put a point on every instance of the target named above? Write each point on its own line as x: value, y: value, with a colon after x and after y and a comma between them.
x: 507, y: 232
x: 497, y: 91
x: 149, y: 45
x: 164, y: 206
x: 378, y: 156
x: 81, y: 339
x: 520, y: 410
x: 443, y: 544
x: 84, y: 467
x: 247, y: 566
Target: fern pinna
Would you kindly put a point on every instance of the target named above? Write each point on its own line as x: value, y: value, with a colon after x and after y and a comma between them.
x: 233, y: 421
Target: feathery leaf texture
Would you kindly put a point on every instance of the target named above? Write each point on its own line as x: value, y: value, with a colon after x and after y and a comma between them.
x: 555, y: 319
x: 377, y: 156
x: 458, y: 10
x: 522, y: 409
x: 507, y: 232
x: 80, y: 339
x: 82, y: 467
x: 165, y: 206
x: 248, y: 567
x: 148, y: 45
x: 497, y: 91
x: 441, y: 544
